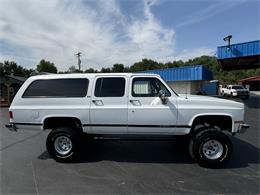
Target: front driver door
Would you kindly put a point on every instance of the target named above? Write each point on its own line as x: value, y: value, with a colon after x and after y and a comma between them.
x: 146, y: 112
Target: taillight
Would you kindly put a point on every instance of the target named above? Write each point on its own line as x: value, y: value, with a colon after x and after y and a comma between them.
x: 10, y: 115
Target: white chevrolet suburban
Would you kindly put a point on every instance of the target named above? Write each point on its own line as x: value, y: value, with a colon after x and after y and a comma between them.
x: 73, y: 105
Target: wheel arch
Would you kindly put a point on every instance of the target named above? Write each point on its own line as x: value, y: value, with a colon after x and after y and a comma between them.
x: 51, y: 122
x: 222, y: 120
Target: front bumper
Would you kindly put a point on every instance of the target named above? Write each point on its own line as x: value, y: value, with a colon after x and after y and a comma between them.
x: 240, y: 94
x: 243, y: 127
x: 11, y: 127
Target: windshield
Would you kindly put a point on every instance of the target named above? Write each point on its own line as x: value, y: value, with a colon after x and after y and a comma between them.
x: 237, y: 87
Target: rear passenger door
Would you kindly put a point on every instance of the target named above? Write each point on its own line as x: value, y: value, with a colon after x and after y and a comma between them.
x: 108, y: 112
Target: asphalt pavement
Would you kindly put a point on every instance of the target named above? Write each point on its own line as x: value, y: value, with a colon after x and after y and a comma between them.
x: 127, y: 167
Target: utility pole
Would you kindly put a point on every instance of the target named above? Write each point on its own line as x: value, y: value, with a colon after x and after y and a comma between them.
x: 78, y: 55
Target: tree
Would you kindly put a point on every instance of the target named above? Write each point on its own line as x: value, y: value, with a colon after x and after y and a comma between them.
x: 90, y: 70
x: 257, y: 72
x: 46, y: 66
x: 118, y: 68
x: 174, y: 64
x: 145, y: 64
x: 105, y: 70
x: 8, y: 68
x: 72, y: 69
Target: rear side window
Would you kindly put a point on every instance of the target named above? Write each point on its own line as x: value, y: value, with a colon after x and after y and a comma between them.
x: 110, y: 87
x: 55, y: 88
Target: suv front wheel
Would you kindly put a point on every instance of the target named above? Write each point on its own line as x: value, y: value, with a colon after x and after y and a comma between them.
x: 210, y: 148
x: 63, y: 144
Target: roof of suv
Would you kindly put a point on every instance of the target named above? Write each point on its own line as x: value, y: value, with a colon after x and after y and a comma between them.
x: 89, y: 75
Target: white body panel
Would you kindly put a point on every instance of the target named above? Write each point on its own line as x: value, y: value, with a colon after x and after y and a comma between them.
x: 193, y: 106
x: 146, y: 115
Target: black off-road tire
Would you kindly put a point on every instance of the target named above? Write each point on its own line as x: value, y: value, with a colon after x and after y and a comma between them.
x: 69, y: 135
x: 202, y: 139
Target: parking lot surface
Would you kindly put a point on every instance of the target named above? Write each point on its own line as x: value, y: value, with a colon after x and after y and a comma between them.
x: 127, y: 167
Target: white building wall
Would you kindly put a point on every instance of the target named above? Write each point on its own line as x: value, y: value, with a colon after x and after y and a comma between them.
x: 185, y: 87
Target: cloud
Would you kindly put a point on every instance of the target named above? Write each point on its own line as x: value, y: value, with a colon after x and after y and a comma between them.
x: 148, y: 37
x: 213, y: 9
x: 187, y: 54
x: 55, y: 30
x: 190, y: 54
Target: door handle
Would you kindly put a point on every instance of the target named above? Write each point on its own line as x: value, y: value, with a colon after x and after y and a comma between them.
x: 135, y: 102
x: 98, y: 102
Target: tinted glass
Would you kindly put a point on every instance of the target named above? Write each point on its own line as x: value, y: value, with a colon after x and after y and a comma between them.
x: 110, y: 87
x: 148, y: 87
x: 237, y: 87
x: 57, y: 88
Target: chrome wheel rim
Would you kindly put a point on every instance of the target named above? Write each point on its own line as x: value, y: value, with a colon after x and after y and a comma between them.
x: 212, y: 149
x: 63, y: 145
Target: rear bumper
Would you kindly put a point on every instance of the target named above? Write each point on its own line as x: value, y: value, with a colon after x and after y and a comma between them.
x: 11, y: 127
x: 243, y: 127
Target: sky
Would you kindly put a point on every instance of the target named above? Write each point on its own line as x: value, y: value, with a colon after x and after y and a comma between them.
x: 121, y: 31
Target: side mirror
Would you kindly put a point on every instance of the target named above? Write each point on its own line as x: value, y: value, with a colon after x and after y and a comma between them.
x: 162, y: 96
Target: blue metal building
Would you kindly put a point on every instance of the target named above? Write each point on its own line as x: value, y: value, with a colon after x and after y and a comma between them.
x: 239, y: 56
x: 185, y: 73
x: 186, y: 79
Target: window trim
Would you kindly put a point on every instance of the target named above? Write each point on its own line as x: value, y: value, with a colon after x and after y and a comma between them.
x: 23, y: 96
x: 144, y: 77
x: 108, y: 77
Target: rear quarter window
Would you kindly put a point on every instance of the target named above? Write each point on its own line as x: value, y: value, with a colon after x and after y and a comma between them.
x: 57, y: 88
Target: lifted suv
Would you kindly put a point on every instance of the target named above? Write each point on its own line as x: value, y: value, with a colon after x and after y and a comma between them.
x: 126, y: 104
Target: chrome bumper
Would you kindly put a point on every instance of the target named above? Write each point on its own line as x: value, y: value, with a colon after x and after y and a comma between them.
x: 243, y: 127
x: 11, y: 127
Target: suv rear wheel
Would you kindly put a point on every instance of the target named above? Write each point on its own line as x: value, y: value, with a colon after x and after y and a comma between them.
x: 210, y: 148
x: 63, y: 144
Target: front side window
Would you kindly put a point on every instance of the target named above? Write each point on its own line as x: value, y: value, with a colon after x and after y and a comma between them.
x: 55, y: 88
x: 110, y: 87
x: 148, y: 87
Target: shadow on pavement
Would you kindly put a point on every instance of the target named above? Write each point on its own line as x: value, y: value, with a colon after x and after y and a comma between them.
x: 159, y: 152
x: 244, y: 153
x: 252, y: 102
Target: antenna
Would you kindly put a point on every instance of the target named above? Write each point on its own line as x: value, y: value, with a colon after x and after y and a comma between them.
x: 78, y: 55
x: 186, y: 91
